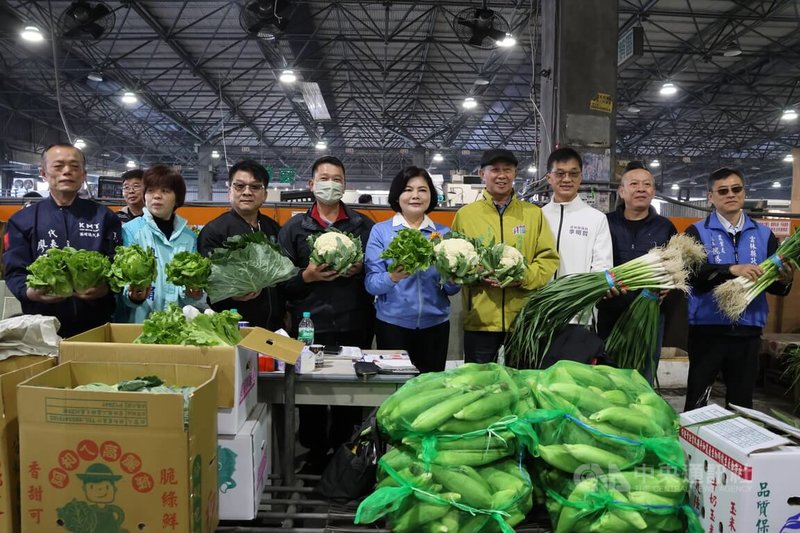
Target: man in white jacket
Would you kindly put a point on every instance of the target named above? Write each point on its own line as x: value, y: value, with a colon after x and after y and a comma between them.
x: 581, y: 233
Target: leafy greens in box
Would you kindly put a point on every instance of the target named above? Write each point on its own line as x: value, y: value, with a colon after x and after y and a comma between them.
x: 173, y: 326
x: 247, y: 263
x: 62, y: 271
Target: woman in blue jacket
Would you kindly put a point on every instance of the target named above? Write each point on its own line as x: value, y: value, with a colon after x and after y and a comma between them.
x: 166, y: 233
x: 413, y: 311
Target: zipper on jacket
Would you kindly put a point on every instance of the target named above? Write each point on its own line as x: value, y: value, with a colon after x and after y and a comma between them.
x: 503, y: 290
x: 558, y: 235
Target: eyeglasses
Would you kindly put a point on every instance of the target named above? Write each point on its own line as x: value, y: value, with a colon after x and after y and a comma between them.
x: 131, y: 188
x: 254, y: 187
x: 561, y: 174
x: 723, y: 191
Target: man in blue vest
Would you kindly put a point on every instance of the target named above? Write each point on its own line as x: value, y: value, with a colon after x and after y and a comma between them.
x: 735, y: 244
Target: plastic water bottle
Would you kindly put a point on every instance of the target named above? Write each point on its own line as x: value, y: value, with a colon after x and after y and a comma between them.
x: 305, y: 330
x: 242, y: 323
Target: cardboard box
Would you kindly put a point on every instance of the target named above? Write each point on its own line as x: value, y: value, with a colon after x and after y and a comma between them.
x: 238, y: 366
x: 118, y: 461
x: 243, y: 460
x: 743, y: 477
x: 13, y: 371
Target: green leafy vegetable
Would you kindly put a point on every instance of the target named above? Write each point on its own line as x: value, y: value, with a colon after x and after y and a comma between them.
x: 245, y: 264
x: 170, y: 326
x: 134, y: 266
x: 62, y: 271
x: 337, y: 249
x: 49, y: 273
x: 410, y: 250
x: 87, y: 269
x: 189, y: 269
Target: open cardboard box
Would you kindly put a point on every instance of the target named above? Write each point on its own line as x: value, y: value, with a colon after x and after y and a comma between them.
x: 238, y: 365
x: 118, y: 461
x: 742, y: 468
x: 13, y: 371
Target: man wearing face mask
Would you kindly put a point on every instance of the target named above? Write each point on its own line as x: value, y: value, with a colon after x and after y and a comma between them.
x: 340, y: 307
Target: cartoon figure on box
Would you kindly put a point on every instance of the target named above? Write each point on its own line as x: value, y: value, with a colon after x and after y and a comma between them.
x: 226, y: 463
x: 99, y: 514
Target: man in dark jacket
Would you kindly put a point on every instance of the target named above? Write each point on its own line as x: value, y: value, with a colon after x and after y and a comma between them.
x: 133, y: 194
x: 735, y: 244
x: 248, y: 181
x: 61, y: 220
x: 340, y: 307
x: 635, y: 229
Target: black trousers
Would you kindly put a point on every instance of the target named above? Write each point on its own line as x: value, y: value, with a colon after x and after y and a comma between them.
x: 735, y: 356
x: 427, y: 347
x: 320, y: 431
x: 482, y: 346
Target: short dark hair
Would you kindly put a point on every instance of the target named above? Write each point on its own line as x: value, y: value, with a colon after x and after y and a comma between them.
x: 166, y: 177
x: 253, y: 167
x: 721, y: 174
x: 134, y: 174
x: 399, y: 185
x: 331, y: 160
x: 65, y: 145
x: 365, y: 199
x: 563, y: 154
x: 31, y: 194
x: 634, y: 165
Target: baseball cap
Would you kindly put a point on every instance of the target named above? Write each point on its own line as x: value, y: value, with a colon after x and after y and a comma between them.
x: 497, y: 154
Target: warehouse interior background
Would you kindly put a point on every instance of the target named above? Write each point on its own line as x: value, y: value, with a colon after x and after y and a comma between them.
x: 382, y: 85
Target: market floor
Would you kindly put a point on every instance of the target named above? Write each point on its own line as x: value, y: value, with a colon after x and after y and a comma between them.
x: 765, y: 398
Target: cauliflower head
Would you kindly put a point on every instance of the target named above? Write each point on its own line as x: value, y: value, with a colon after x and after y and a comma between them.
x: 510, y: 257
x: 331, y: 241
x: 455, y: 248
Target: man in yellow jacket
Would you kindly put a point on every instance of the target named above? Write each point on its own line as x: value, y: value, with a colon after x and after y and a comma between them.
x: 489, y: 309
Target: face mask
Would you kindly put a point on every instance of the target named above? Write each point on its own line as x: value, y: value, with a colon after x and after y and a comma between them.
x: 328, y: 192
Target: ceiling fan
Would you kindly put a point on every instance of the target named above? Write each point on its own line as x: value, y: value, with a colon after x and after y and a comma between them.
x: 85, y: 21
x: 480, y: 27
x: 263, y: 17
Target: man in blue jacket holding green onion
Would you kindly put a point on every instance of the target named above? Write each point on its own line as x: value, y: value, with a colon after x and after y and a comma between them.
x: 735, y: 244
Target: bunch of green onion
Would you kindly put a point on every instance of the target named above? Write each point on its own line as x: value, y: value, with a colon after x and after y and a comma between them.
x: 735, y: 295
x: 550, y: 308
x: 634, y: 338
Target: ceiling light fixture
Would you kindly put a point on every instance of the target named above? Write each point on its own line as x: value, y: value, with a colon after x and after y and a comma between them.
x: 668, y: 89
x: 776, y: 184
x: 214, y: 154
x: 532, y: 169
x: 288, y: 76
x: 129, y: 98
x: 731, y: 50
x: 633, y: 108
x: 481, y: 81
x: 655, y: 163
x: 507, y: 42
x: 321, y: 145
x: 675, y: 187
x: 131, y: 164
x: 95, y: 76
x: 789, y: 115
x: 80, y: 144
x: 438, y: 158
x: 788, y: 158
x: 32, y: 34
x: 469, y: 103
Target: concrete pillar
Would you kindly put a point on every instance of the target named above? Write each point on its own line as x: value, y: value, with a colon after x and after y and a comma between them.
x: 578, y: 84
x: 205, y: 173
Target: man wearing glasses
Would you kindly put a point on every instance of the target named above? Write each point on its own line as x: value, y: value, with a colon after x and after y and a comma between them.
x: 133, y: 194
x: 247, y: 182
x: 735, y: 244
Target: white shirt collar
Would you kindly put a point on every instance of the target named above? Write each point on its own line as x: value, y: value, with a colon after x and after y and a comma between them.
x: 399, y: 220
x: 731, y: 228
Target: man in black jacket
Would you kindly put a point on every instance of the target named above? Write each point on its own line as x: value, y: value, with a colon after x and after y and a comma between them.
x: 247, y: 191
x: 341, y: 309
x: 635, y: 229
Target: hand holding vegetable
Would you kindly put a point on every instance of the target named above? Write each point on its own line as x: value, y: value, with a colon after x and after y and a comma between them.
x: 247, y: 297
x: 398, y: 274
x: 92, y: 293
x: 353, y: 270
x: 40, y: 296
x: 786, y: 273
x: 193, y: 293
x: 315, y: 272
x: 138, y: 294
x: 751, y: 272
